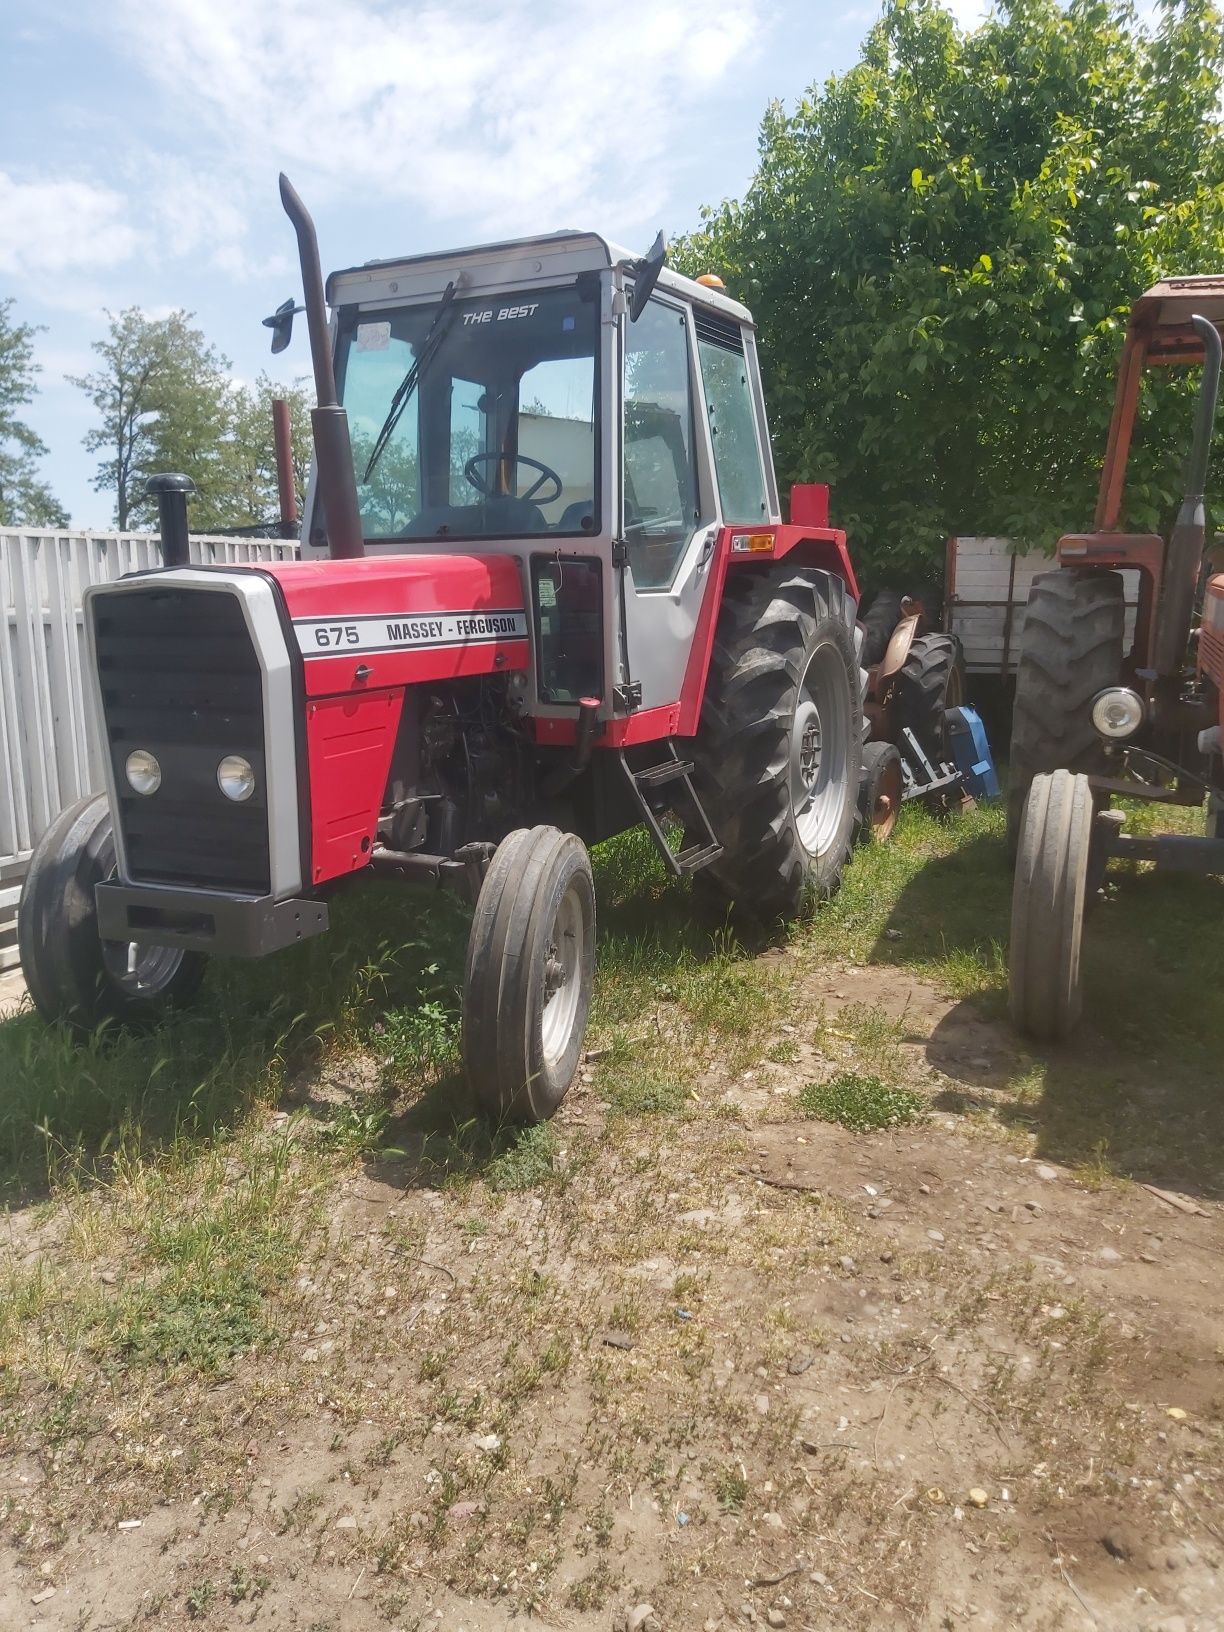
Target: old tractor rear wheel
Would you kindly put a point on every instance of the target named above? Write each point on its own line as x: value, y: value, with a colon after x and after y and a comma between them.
x: 530, y: 970
x: 877, y: 624
x: 1048, y: 898
x: 71, y: 973
x: 1072, y: 649
x: 932, y: 680
x: 778, y: 751
x: 880, y: 791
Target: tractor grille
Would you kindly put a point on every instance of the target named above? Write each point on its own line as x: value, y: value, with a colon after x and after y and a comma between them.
x: 179, y: 676
x: 1211, y: 653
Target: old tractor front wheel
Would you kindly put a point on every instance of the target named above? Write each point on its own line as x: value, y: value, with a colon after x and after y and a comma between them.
x: 779, y: 750
x: 530, y: 970
x: 1048, y: 898
x: 880, y: 792
x: 71, y: 973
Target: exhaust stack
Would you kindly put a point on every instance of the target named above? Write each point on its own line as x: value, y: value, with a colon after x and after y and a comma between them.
x: 1184, y: 557
x: 329, y: 422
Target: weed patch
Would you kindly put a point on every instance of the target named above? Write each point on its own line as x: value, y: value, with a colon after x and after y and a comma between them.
x: 862, y: 1104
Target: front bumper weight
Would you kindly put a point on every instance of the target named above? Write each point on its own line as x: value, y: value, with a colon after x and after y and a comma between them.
x: 205, y: 921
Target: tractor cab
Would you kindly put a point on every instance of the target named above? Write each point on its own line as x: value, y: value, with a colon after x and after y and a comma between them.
x: 596, y: 416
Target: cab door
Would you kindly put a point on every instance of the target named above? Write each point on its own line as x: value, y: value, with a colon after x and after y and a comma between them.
x: 691, y: 458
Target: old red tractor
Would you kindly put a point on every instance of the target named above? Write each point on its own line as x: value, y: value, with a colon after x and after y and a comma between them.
x: 1098, y: 718
x: 545, y: 594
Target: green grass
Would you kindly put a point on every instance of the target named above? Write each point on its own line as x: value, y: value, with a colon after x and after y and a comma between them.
x: 862, y: 1104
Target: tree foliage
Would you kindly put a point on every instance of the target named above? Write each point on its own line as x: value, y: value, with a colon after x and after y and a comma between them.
x: 166, y: 401
x: 162, y: 398
x: 25, y: 500
x: 940, y: 247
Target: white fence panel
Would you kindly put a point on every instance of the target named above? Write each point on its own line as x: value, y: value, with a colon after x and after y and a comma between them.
x: 987, y: 589
x: 48, y: 755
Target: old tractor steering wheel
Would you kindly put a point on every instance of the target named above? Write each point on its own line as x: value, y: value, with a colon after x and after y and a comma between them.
x: 547, y: 474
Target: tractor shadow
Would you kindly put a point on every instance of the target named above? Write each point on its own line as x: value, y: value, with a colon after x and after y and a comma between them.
x: 1135, y: 1093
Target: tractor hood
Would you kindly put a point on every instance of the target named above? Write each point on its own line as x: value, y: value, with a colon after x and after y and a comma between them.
x: 365, y: 624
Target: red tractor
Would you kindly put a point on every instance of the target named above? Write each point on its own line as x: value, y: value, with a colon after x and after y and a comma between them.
x: 545, y: 594
x: 1094, y: 720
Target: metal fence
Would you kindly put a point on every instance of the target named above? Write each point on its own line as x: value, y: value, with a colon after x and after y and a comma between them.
x: 48, y: 753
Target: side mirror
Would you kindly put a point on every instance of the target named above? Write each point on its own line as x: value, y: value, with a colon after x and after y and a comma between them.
x: 281, y: 324
x: 645, y: 276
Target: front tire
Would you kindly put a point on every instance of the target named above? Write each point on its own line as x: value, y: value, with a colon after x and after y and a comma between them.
x: 529, y: 975
x: 1048, y: 898
x: 1072, y: 649
x: 72, y: 974
x: 880, y: 792
x: 778, y: 753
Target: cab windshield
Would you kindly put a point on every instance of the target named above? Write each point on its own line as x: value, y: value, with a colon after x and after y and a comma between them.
x: 499, y: 436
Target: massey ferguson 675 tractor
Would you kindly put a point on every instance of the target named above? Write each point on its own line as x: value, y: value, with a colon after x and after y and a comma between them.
x: 545, y: 594
x: 1095, y: 722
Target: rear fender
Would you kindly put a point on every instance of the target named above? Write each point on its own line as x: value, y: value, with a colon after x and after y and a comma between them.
x: 748, y: 549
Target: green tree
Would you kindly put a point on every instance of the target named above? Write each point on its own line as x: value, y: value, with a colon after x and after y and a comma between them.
x: 165, y: 401
x: 940, y: 247
x: 25, y: 501
x: 251, y: 455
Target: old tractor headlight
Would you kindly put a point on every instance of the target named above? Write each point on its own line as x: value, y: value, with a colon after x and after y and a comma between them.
x: 1117, y: 712
x: 236, y: 778
x: 143, y: 771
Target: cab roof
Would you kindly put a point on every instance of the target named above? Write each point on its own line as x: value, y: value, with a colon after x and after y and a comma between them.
x: 513, y: 261
x: 1162, y: 316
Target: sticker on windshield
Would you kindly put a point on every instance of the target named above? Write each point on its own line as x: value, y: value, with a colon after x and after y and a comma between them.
x: 373, y: 336
x: 501, y: 314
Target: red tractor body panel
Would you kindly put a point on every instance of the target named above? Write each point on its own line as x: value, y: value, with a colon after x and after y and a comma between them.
x: 1211, y: 638
x: 349, y: 741
x: 404, y: 619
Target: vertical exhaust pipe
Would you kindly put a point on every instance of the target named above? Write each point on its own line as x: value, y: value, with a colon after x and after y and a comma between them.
x: 1184, y: 556
x: 282, y: 437
x: 328, y: 421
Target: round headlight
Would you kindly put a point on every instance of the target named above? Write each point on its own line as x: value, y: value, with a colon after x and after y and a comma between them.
x: 143, y: 771
x: 1117, y: 712
x: 236, y: 777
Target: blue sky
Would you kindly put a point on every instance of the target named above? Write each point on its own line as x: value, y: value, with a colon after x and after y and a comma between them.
x: 140, y: 144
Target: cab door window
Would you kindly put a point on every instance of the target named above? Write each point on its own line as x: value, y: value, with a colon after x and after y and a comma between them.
x: 660, y: 479
x: 733, y: 427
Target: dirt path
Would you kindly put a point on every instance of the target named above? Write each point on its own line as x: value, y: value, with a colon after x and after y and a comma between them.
x: 734, y: 1368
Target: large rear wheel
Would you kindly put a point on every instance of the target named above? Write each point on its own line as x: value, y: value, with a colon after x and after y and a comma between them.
x: 932, y: 680
x: 530, y: 970
x: 71, y: 973
x: 1071, y: 649
x: 1048, y: 897
x: 778, y: 752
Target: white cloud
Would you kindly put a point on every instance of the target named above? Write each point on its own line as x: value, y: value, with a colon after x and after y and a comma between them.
x: 56, y: 226
x: 507, y: 111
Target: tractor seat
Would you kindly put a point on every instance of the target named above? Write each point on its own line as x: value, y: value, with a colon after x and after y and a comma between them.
x: 578, y: 517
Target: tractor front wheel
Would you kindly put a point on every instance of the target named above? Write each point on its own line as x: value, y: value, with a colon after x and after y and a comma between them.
x: 71, y: 973
x: 530, y: 970
x: 1048, y: 898
x: 880, y: 792
x: 779, y: 750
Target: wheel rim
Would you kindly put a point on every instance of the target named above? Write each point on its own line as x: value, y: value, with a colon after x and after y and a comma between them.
x: 887, y: 801
x: 141, y: 971
x: 563, y: 963
x: 820, y: 751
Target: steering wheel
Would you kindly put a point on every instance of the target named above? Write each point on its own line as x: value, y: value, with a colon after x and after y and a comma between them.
x: 547, y: 474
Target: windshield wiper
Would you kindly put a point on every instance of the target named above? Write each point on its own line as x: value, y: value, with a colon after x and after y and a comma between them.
x: 434, y: 338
